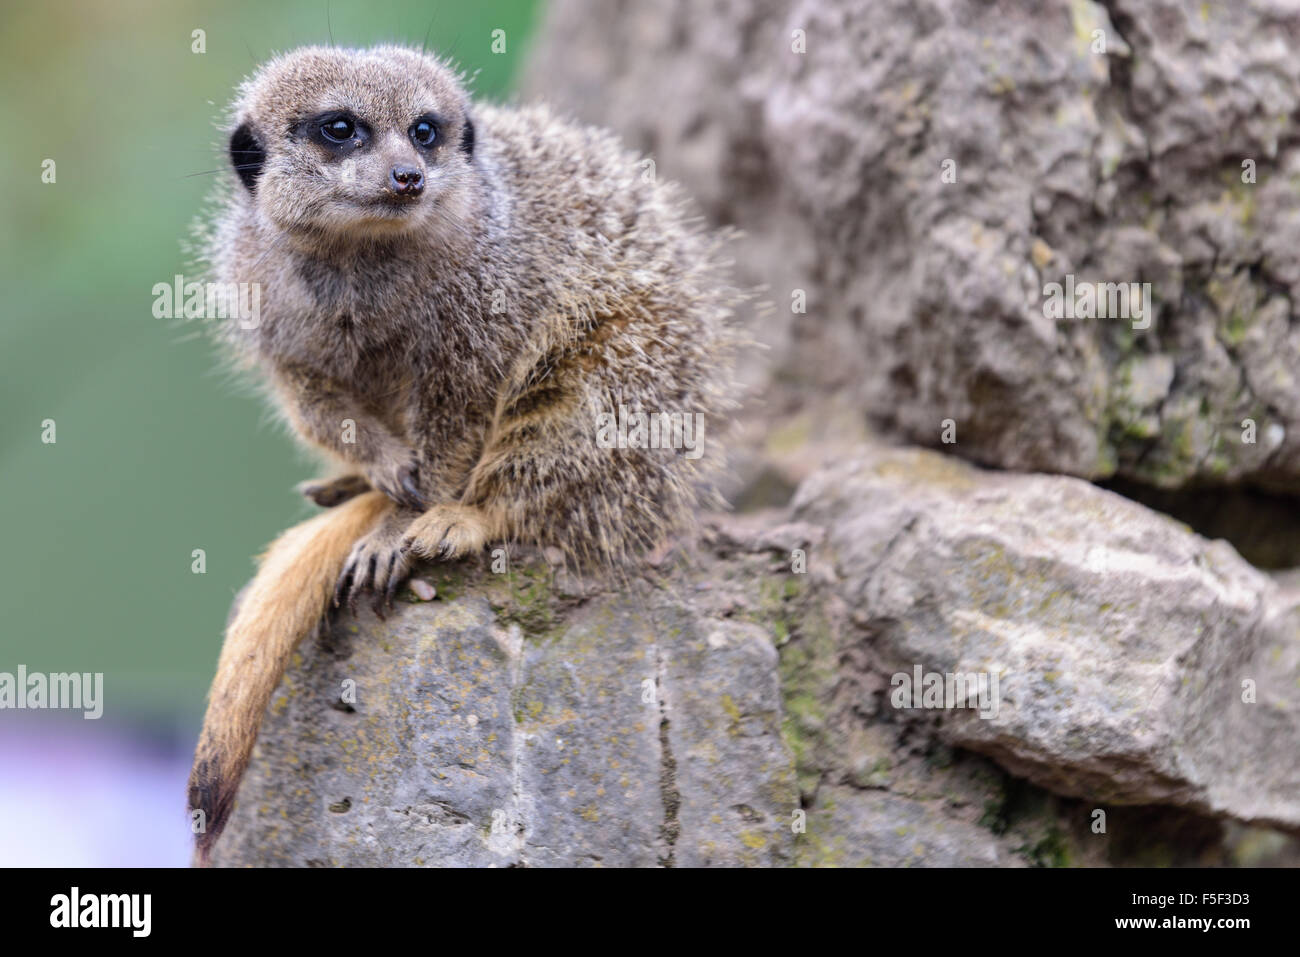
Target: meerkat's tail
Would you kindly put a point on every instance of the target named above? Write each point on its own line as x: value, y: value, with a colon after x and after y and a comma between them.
x: 284, y: 603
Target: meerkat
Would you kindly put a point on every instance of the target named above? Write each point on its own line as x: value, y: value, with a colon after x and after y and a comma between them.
x: 453, y: 294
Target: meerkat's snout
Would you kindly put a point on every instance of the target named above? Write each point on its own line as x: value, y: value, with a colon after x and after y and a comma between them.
x: 407, y: 181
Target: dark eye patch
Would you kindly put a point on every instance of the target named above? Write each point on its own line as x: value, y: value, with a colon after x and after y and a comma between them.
x: 337, y: 130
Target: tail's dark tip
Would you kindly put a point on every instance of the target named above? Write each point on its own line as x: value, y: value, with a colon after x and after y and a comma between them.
x: 202, y: 853
x: 210, y: 802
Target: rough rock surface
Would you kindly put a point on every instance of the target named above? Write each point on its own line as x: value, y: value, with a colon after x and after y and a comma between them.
x: 925, y: 298
x: 730, y: 709
x: 515, y: 721
x: 1139, y: 663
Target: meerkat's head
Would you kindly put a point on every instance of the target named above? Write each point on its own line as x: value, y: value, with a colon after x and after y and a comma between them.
x: 355, y: 144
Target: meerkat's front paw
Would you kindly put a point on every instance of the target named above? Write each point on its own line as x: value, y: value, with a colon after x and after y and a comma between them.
x: 378, y: 564
x: 448, y: 532
x: 330, y: 492
x: 399, y: 479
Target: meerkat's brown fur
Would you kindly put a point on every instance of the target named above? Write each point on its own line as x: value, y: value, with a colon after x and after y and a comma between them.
x: 450, y: 350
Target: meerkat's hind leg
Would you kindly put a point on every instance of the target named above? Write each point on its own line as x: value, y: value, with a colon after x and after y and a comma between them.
x: 378, y: 564
x: 450, y: 532
x: 328, y: 492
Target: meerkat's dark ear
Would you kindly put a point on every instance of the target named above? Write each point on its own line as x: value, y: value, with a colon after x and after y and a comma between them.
x: 467, y: 138
x: 247, y: 156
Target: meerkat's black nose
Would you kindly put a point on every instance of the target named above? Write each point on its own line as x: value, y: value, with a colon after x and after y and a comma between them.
x: 406, y: 180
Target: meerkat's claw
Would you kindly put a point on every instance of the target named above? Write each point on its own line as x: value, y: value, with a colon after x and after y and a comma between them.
x: 359, y: 584
x: 447, y: 532
x: 341, y: 586
x: 330, y: 492
x: 378, y: 564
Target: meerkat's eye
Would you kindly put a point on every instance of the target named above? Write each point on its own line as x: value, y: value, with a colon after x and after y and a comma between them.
x: 339, y: 130
x: 424, y: 132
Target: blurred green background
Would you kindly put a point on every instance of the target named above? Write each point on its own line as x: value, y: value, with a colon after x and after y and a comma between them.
x: 158, y: 452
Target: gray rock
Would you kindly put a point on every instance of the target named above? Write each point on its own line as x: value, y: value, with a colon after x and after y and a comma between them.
x: 506, y: 724
x: 1138, y: 663
x: 876, y: 829
x: 925, y: 298
x: 734, y: 706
